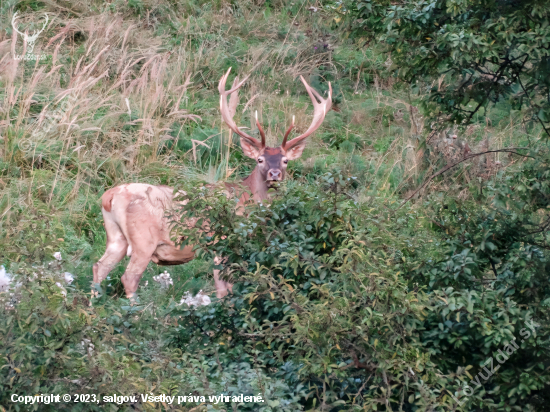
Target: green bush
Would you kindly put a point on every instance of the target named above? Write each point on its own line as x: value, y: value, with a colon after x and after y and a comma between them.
x: 322, y: 286
x: 489, y: 53
x: 337, y: 304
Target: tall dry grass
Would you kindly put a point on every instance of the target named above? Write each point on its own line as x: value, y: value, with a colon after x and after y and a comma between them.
x: 120, y: 90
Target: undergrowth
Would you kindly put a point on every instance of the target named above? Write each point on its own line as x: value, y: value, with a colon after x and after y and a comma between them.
x: 354, y: 290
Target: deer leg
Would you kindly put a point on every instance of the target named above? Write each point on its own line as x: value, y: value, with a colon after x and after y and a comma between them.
x: 114, y: 253
x: 222, y: 287
x: 138, y: 263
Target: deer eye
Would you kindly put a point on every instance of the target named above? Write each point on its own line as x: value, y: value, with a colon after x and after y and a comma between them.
x: 260, y: 160
x: 285, y: 161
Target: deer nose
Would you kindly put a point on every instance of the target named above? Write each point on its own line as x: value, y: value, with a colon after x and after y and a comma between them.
x: 274, y: 174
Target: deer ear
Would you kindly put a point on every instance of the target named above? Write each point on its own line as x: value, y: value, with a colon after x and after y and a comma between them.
x: 250, y: 149
x: 296, y: 150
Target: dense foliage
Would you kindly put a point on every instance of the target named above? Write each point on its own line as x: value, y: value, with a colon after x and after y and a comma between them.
x: 334, y: 304
x: 323, y: 289
x: 319, y: 297
x: 470, y: 54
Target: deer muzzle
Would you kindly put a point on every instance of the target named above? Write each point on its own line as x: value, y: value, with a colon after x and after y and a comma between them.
x: 274, y: 174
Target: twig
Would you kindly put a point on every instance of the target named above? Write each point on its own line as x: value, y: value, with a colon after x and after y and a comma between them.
x: 361, y: 389
x: 450, y: 166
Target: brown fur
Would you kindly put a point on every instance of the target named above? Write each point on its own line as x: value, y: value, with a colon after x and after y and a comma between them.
x: 107, y: 198
x: 135, y: 222
x: 135, y: 225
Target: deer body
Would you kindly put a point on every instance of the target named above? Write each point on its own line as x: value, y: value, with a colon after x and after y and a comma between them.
x: 134, y: 213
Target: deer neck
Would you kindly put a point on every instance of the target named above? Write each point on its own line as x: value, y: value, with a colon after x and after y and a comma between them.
x: 257, y: 185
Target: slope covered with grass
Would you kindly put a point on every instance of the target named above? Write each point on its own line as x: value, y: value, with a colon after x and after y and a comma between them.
x: 355, y: 289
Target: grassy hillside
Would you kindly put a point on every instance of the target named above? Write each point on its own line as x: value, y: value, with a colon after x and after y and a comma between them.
x: 127, y: 92
x: 145, y: 87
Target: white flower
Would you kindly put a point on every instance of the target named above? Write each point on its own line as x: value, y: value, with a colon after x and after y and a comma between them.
x: 164, y: 279
x: 5, y: 279
x: 89, y: 344
x: 68, y: 278
x: 187, y: 298
x: 57, y: 255
x: 199, y: 300
x: 203, y: 299
x: 63, y: 291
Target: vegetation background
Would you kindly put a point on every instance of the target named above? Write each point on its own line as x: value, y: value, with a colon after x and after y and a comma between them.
x: 409, y: 245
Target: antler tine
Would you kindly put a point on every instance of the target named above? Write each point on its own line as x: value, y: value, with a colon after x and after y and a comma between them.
x: 288, y: 132
x: 224, y: 108
x: 46, y: 22
x: 37, y: 32
x: 261, y: 130
x: 320, y: 110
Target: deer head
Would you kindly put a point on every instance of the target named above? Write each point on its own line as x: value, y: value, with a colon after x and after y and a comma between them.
x: 271, y: 162
x: 30, y: 40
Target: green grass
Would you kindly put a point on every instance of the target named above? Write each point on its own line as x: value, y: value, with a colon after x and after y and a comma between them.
x: 61, y: 179
x: 166, y: 59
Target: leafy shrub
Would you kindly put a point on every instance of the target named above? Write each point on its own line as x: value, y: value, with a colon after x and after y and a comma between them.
x: 314, y: 284
x: 469, y: 46
x: 336, y: 304
x: 319, y: 288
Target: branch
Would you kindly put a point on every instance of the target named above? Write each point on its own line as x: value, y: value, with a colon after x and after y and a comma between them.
x: 547, y: 131
x: 450, y: 166
x: 361, y: 388
x: 361, y: 365
x: 494, y: 267
x: 496, y: 77
x: 542, y: 228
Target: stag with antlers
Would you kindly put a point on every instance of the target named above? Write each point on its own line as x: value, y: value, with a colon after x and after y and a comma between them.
x: 135, y: 214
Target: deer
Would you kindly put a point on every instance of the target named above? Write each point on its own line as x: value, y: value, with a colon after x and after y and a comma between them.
x: 134, y: 214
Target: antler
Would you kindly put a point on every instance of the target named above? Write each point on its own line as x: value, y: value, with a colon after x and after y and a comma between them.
x: 262, y: 133
x: 287, y: 133
x: 227, y: 114
x: 320, y: 110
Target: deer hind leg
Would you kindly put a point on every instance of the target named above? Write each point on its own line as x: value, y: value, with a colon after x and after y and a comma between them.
x: 114, y: 253
x: 222, y: 287
x: 142, y: 253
